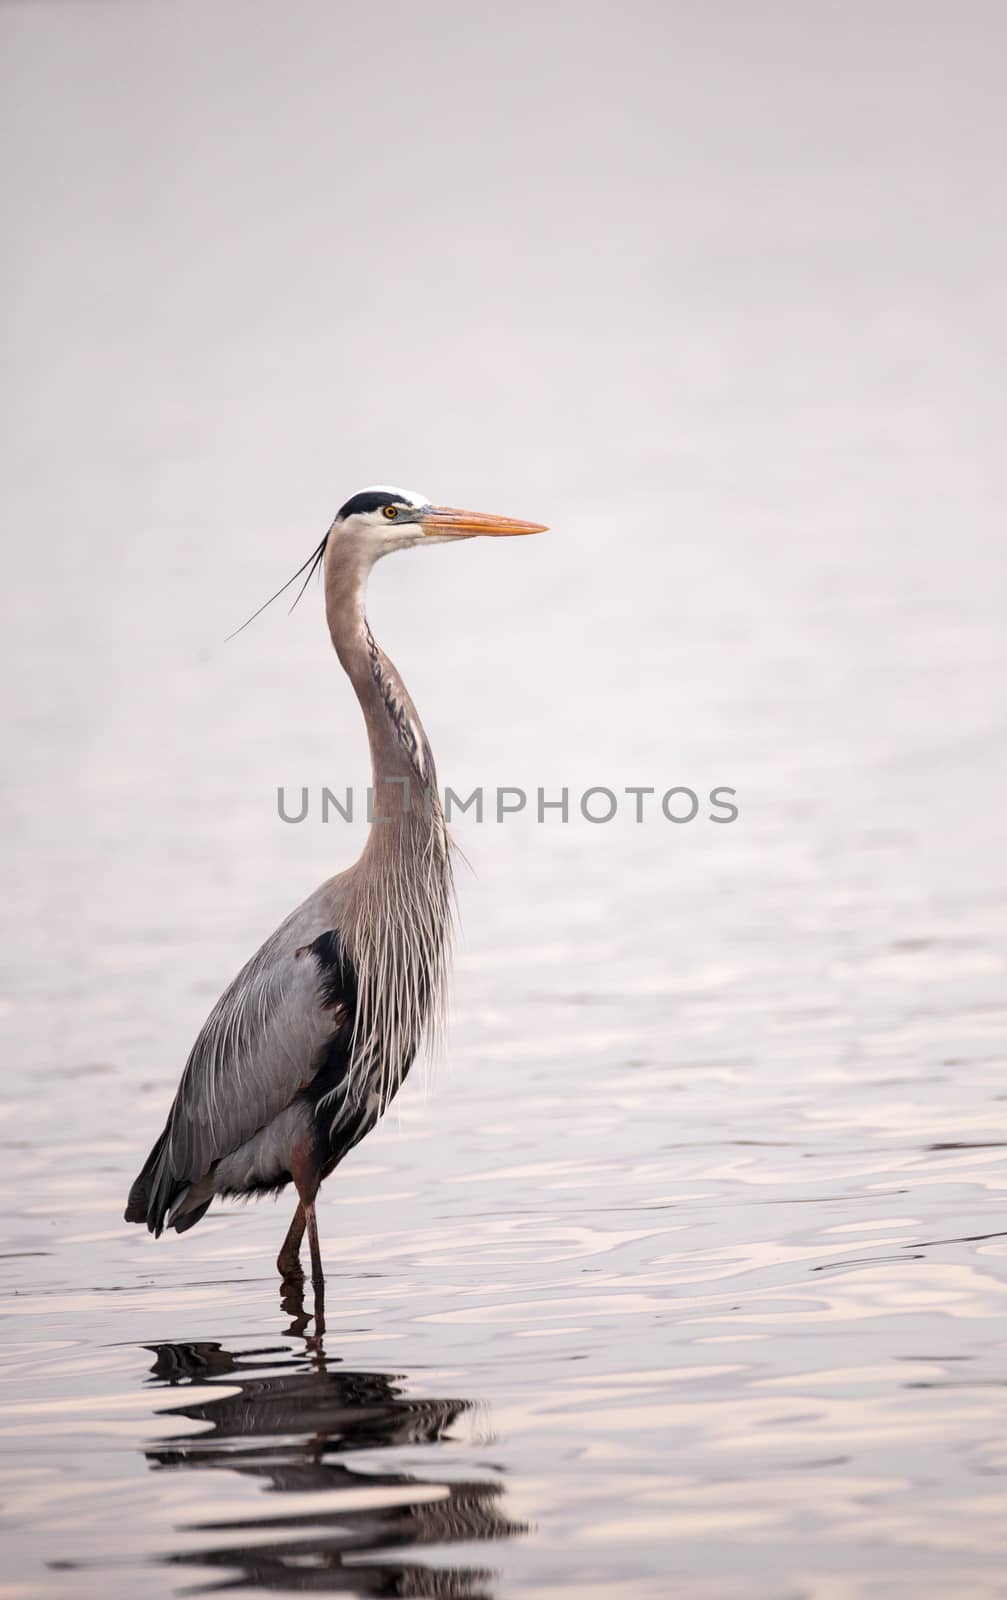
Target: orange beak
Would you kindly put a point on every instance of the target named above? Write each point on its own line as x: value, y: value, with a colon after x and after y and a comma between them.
x: 453, y: 524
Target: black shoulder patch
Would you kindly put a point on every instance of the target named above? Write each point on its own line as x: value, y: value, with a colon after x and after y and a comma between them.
x: 369, y: 500
x: 339, y: 977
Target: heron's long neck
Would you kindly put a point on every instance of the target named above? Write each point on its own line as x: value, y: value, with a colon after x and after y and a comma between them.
x: 397, y: 918
x: 402, y: 766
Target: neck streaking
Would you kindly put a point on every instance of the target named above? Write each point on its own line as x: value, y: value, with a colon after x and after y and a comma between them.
x: 397, y: 921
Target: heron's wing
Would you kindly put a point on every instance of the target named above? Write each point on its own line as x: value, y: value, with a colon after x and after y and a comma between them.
x: 260, y: 1045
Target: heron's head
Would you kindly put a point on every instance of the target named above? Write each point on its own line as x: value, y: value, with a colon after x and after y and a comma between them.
x: 376, y: 521
x: 379, y: 520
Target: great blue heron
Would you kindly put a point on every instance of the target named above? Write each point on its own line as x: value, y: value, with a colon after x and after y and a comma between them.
x: 305, y: 1049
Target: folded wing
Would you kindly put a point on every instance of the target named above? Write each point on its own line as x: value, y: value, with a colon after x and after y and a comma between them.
x: 260, y: 1046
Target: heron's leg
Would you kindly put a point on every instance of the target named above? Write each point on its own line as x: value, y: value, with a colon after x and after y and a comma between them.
x: 317, y: 1275
x: 288, y: 1262
x: 305, y: 1172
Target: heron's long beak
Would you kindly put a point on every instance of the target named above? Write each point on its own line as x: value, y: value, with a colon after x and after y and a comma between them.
x: 453, y: 524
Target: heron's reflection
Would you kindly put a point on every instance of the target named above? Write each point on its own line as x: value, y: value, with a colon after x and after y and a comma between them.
x: 297, y: 1419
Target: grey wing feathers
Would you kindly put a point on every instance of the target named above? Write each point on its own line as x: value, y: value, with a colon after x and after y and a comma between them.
x: 258, y: 1047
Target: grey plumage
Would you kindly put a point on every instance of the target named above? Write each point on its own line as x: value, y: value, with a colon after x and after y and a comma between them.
x: 247, y: 1065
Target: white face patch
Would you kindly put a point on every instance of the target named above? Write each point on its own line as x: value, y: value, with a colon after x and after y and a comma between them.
x: 378, y: 520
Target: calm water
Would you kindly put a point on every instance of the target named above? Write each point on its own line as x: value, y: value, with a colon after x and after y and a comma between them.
x: 685, y: 1273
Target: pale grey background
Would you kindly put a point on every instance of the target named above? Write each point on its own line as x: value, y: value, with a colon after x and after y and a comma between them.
x: 717, y: 291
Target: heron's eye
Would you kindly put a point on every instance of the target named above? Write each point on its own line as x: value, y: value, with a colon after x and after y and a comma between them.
x: 391, y: 512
